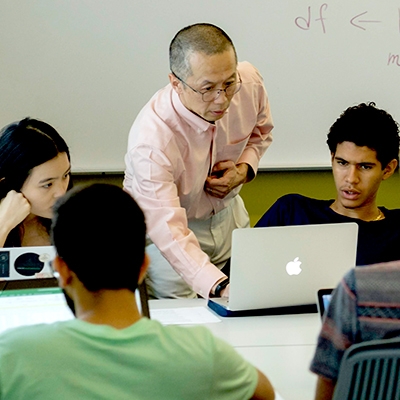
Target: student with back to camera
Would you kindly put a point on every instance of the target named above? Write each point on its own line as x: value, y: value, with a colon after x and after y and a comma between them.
x: 109, y: 351
x: 34, y: 172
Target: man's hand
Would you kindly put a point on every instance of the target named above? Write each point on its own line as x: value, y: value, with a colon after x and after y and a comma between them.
x: 225, y: 176
x: 225, y: 291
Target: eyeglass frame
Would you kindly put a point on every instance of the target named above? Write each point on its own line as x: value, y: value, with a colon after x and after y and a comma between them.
x: 55, y: 273
x: 213, y: 90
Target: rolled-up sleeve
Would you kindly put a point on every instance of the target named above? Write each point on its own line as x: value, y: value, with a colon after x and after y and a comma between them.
x: 154, y: 189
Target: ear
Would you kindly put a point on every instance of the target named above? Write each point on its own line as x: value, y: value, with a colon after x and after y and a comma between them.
x: 64, y: 272
x: 143, y: 268
x: 175, y: 83
x: 389, y: 169
x: 332, y: 156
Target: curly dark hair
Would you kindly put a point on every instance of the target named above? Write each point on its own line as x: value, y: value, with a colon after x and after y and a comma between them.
x: 367, y: 125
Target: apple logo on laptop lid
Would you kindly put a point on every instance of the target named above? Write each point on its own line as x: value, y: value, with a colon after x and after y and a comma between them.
x: 293, y: 267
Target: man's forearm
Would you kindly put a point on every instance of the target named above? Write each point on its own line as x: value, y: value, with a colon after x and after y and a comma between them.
x: 325, y: 389
x: 246, y: 171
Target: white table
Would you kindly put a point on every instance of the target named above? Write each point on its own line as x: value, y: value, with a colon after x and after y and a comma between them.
x: 281, y: 346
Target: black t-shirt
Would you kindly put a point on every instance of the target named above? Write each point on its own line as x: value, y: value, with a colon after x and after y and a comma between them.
x: 378, y: 241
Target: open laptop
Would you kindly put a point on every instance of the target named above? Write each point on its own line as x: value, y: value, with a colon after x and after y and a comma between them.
x: 26, y: 262
x: 31, y: 301
x: 278, y: 270
x: 34, y: 301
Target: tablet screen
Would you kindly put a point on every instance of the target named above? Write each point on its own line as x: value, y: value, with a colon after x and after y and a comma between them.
x: 324, y: 298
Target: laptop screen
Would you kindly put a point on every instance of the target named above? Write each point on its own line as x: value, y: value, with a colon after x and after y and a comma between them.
x: 324, y: 298
x: 32, y: 306
x: 36, y: 301
x: 283, y: 266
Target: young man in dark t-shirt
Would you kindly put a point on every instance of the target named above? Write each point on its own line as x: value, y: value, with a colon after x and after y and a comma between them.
x: 364, y: 144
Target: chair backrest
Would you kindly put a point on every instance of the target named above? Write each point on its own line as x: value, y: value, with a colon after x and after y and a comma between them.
x: 370, y: 371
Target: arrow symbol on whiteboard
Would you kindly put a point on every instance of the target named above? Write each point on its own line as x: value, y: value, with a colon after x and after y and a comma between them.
x: 352, y: 21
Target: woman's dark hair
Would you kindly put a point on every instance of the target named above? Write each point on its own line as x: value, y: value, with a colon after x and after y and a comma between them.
x: 23, y: 146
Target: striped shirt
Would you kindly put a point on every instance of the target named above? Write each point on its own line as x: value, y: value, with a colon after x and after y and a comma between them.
x: 365, y: 306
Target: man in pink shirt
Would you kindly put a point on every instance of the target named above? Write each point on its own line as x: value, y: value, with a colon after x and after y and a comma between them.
x: 190, y: 150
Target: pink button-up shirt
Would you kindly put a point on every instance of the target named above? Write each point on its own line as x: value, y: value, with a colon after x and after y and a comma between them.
x: 171, y: 152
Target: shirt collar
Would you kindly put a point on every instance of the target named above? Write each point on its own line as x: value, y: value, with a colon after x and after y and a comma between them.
x: 197, y: 123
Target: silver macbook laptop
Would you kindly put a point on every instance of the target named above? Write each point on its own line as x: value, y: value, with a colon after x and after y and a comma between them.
x: 26, y: 262
x: 277, y: 267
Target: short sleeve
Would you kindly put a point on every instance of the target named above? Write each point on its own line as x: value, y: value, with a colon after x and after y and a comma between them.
x: 234, y: 377
x: 339, y: 329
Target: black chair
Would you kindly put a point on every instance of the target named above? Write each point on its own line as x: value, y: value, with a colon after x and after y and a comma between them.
x: 370, y: 371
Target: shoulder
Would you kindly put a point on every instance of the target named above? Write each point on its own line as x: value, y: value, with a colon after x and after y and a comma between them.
x: 30, y: 332
x: 344, y: 294
x: 184, y: 337
x: 181, y: 339
x: 249, y: 73
x: 349, y: 282
x: 341, y: 309
x: 229, y: 375
x: 386, y: 230
x: 171, y: 332
x: 295, y: 198
x: 391, y: 214
x: 159, y: 103
x: 379, y: 279
x: 308, y: 209
x: 296, y: 209
x: 157, y: 115
x: 209, y: 351
x: 25, y: 338
x: 298, y: 200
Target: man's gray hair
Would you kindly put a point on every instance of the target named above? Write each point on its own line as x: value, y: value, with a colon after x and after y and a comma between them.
x: 203, y: 38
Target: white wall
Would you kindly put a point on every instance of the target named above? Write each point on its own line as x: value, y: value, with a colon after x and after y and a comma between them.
x: 88, y: 66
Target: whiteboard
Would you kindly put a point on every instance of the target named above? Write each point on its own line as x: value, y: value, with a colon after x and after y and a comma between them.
x: 87, y: 67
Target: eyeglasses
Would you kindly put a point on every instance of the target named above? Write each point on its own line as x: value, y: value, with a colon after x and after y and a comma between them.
x: 213, y: 94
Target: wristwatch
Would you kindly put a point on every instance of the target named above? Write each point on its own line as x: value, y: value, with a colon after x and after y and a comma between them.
x: 222, y: 285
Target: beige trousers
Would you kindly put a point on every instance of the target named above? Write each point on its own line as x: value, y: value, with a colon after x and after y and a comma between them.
x: 214, y: 236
